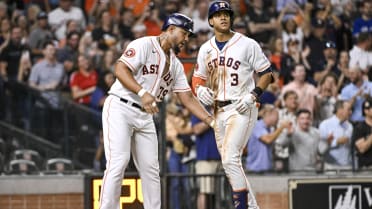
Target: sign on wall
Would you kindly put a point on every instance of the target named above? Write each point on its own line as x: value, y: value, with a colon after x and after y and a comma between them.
x: 330, y: 193
x: 131, y: 192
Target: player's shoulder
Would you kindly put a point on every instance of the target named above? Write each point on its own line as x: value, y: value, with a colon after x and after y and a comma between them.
x: 207, y: 45
x: 144, y: 40
x: 176, y: 59
x: 142, y: 44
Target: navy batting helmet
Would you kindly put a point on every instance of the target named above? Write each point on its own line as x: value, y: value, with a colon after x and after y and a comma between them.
x: 217, y: 6
x: 179, y: 20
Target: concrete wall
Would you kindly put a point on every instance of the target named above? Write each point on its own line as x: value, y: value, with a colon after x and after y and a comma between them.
x: 67, y: 192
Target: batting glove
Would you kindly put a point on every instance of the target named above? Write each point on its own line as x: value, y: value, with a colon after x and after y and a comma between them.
x: 205, y: 95
x: 245, y: 103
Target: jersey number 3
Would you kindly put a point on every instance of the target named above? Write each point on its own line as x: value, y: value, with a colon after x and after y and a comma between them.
x: 234, y: 79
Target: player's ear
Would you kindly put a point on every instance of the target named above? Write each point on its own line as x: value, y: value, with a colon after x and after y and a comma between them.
x: 210, y: 20
x: 171, y: 28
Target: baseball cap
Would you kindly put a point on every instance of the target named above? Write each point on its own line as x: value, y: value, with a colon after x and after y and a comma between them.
x: 367, y: 104
x: 329, y: 44
x: 42, y: 15
x: 318, y: 23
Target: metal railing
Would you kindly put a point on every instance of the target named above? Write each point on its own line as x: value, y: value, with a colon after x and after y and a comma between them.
x: 70, y: 130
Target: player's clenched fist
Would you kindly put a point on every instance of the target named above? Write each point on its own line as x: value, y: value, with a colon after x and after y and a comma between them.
x: 245, y: 103
x: 205, y: 95
x: 149, y: 103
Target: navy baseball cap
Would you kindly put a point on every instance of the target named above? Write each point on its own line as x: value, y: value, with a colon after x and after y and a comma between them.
x: 329, y: 44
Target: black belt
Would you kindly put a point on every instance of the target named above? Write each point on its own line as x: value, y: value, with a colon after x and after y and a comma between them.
x: 223, y: 103
x: 131, y: 103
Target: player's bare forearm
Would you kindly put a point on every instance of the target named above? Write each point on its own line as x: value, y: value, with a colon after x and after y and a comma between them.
x: 265, y: 80
x: 200, y: 128
x: 125, y: 76
x: 195, y: 107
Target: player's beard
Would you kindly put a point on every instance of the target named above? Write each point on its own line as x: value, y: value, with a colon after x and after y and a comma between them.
x: 176, y: 49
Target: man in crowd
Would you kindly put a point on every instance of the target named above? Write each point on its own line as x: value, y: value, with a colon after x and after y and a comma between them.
x: 336, y: 131
x: 304, y: 142
x: 362, y: 137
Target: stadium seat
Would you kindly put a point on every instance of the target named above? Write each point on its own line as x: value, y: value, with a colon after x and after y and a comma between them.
x: 23, y: 167
x: 59, y: 165
x: 27, y: 154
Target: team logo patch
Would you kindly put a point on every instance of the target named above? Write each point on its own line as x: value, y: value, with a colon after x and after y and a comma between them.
x: 130, y: 52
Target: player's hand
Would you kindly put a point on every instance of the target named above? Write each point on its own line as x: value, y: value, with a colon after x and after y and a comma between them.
x: 149, y: 103
x: 245, y: 103
x: 205, y: 95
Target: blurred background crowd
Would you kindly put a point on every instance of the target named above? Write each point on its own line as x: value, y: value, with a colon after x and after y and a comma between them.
x: 57, y: 59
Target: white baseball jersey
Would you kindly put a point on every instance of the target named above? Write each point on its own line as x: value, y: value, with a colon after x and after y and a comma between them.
x: 128, y: 130
x: 235, y: 63
x: 147, y: 60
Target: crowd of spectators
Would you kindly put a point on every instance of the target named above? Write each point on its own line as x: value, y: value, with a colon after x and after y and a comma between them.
x: 321, y: 51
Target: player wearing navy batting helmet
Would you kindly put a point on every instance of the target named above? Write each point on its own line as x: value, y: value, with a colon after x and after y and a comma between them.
x: 224, y: 78
x: 218, y: 6
x: 179, y: 20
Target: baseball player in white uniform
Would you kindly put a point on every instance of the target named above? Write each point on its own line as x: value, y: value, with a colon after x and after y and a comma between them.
x: 146, y: 72
x: 224, y: 77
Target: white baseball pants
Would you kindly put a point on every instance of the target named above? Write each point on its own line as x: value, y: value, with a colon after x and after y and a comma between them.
x: 126, y: 130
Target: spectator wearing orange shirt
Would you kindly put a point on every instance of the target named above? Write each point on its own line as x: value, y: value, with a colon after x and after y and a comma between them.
x: 137, y: 6
x: 150, y: 18
x: 277, y: 52
x: 83, y: 82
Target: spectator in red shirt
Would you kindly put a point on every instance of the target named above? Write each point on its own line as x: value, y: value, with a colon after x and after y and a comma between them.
x: 83, y: 82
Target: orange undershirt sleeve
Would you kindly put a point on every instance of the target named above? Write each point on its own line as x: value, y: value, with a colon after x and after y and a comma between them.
x: 196, y: 81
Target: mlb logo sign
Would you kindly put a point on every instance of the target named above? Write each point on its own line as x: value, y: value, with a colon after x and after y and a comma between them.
x: 337, y: 193
x: 345, y: 197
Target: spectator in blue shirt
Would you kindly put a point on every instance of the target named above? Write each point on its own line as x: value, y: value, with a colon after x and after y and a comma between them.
x: 337, y: 132
x: 260, y: 157
x: 364, y: 23
x: 355, y: 92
